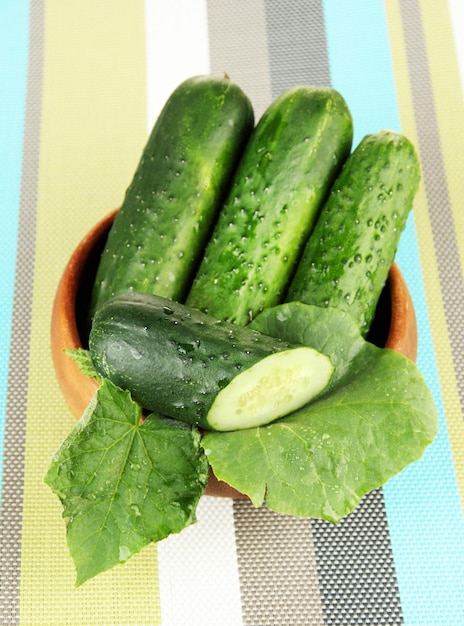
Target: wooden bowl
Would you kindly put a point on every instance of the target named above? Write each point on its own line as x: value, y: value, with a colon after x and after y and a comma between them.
x: 394, y: 326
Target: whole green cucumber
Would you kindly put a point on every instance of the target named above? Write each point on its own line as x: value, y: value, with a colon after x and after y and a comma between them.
x: 284, y: 175
x: 346, y: 261
x: 182, y: 363
x: 159, y: 233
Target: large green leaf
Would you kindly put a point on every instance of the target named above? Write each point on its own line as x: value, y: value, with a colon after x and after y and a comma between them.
x: 376, y: 417
x: 124, y: 483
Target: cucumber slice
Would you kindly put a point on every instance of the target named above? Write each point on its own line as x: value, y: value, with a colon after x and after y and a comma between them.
x: 275, y: 386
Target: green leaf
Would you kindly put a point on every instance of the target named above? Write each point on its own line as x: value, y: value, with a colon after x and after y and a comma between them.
x: 330, y: 331
x: 377, y: 417
x: 83, y: 361
x: 124, y: 483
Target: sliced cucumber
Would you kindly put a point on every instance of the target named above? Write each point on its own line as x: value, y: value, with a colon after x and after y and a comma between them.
x: 274, y: 387
x: 178, y: 361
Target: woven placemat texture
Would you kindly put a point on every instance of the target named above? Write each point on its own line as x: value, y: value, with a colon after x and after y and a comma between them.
x: 81, y: 84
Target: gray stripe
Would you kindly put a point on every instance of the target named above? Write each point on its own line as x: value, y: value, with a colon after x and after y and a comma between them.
x: 274, y: 550
x: 355, y: 567
x: 278, y: 577
x: 297, y: 44
x: 13, y: 474
x: 275, y: 553
x: 433, y: 171
x: 238, y: 46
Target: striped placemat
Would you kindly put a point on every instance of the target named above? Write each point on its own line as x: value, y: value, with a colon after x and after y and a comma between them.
x: 81, y: 83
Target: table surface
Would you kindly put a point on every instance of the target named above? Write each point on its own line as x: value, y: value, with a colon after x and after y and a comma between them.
x: 81, y: 85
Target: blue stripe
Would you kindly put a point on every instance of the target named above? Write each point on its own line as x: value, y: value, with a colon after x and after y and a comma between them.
x: 422, y: 503
x: 360, y: 63
x: 14, y: 20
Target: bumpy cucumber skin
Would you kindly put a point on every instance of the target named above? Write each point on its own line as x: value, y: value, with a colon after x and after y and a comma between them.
x: 346, y: 261
x: 285, y: 173
x: 173, y: 359
x: 159, y: 233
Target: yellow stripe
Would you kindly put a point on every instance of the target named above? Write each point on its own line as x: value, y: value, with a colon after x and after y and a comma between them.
x: 449, y: 108
x: 92, y: 133
x: 449, y: 104
x: 439, y: 330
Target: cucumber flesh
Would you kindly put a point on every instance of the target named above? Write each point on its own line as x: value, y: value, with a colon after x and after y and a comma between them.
x: 275, y: 386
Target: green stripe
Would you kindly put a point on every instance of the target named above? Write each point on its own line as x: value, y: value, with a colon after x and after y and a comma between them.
x: 93, y: 129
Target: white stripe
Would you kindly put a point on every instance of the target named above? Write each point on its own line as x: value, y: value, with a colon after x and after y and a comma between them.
x: 177, y: 47
x: 456, y: 8
x: 198, y: 569
x: 198, y: 572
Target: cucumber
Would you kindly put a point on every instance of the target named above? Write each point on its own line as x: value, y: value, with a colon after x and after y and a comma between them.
x: 346, y: 261
x: 184, y: 364
x: 284, y: 175
x: 159, y: 233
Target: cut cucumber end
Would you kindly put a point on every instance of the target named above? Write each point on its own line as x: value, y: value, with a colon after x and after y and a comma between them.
x: 275, y: 386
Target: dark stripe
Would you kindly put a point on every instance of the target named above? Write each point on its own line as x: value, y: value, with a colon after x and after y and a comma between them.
x: 297, y: 44
x: 15, y: 427
x: 278, y: 578
x: 436, y: 188
x: 355, y: 567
